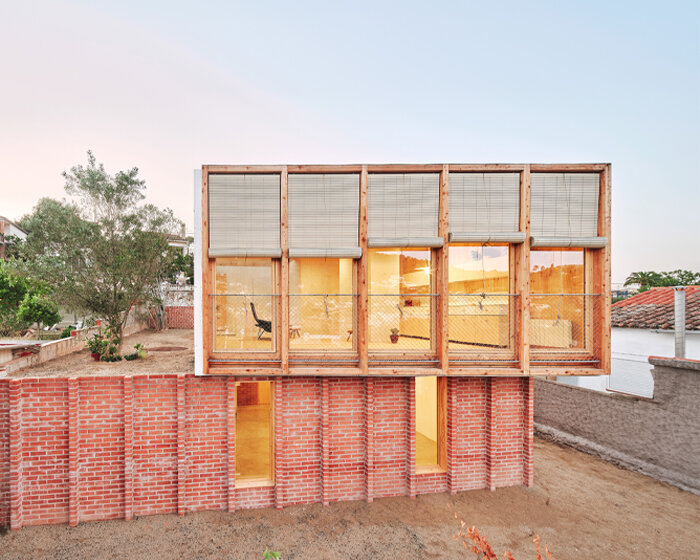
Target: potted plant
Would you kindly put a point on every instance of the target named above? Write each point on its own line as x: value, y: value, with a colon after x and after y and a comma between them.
x: 97, y: 346
x: 394, y: 336
x: 140, y: 350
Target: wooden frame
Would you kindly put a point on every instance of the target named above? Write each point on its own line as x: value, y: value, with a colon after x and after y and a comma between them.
x: 422, y: 362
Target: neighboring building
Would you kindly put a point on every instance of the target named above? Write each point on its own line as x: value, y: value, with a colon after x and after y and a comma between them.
x: 9, y: 228
x: 381, y: 324
x: 643, y: 326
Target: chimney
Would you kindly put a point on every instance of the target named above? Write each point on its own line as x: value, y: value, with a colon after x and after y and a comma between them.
x: 679, y: 319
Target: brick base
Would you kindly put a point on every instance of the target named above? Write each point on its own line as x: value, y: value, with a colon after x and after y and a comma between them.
x: 179, y: 317
x: 86, y: 449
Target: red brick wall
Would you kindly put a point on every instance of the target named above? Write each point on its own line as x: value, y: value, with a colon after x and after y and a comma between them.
x: 179, y: 317
x: 109, y: 447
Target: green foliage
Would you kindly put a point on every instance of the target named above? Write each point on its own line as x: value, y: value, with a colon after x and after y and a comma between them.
x: 106, y: 343
x: 130, y: 357
x: 38, y: 308
x: 652, y: 279
x: 180, y: 263
x: 65, y: 333
x: 271, y: 555
x: 104, y: 253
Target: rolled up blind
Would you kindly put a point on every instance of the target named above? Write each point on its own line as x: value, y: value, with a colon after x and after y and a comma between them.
x: 485, y: 207
x: 244, y: 215
x: 564, y: 210
x: 403, y: 210
x: 324, y: 212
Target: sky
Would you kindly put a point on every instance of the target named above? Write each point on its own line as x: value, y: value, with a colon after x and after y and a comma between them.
x: 169, y: 86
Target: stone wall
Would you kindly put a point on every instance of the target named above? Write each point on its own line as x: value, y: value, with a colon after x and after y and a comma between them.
x: 659, y: 436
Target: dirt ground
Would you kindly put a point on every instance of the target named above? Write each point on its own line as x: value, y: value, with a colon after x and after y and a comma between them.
x: 157, y: 361
x: 581, y: 506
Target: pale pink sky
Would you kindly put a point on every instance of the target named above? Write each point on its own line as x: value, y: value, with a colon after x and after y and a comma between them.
x: 168, y: 86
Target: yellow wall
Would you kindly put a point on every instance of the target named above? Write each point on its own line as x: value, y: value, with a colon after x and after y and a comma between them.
x: 426, y: 406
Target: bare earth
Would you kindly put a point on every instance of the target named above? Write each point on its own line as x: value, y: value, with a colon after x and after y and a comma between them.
x: 581, y: 506
x: 80, y: 363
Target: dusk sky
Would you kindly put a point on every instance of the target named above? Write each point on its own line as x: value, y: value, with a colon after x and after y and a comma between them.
x: 168, y: 86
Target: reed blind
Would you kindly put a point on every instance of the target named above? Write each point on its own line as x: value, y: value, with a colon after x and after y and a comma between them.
x: 485, y: 207
x: 403, y: 210
x: 564, y: 210
x: 324, y: 212
x: 244, y: 215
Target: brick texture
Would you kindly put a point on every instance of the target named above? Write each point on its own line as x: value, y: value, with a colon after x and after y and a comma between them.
x: 179, y: 317
x: 84, y: 449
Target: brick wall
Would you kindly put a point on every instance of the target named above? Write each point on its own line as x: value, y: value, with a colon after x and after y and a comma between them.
x: 179, y: 317
x: 83, y: 449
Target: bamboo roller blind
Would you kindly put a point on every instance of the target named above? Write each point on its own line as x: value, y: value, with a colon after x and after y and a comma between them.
x: 402, y: 210
x: 485, y: 207
x: 564, y: 210
x: 244, y: 216
x: 323, y: 215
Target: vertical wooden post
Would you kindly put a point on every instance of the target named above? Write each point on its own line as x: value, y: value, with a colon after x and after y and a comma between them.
x: 207, y: 300
x: 522, y: 276
x: 363, y: 280
x: 231, y: 441
x: 128, y: 448
x: 325, y: 444
x: 442, y: 274
x: 283, y: 336
x: 16, y: 455
x: 181, y: 451
x: 369, y: 439
x: 601, y: 271
x: 73, y: 452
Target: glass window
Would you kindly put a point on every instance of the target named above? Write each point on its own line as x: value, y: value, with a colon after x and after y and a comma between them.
x: 400, y: 304
x: 557, y: 303
x: 479, y: 304
x: 244, y: 305
x: 321, y: 304
x: 254, y: 430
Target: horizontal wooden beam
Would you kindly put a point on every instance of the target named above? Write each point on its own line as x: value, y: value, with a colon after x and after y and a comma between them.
x: 245, y: 168
x: 567, y: 167
x: 352, y: 168
x: 485, y: 167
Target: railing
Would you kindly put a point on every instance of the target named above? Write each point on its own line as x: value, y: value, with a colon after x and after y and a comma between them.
x: 322, y: 322
x: 245, y: 322
x: 565, y: 328
x: 481, y: 328
x: 402, y: 322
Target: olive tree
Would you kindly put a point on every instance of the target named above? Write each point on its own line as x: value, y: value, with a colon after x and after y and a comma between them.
x: 104, y: 251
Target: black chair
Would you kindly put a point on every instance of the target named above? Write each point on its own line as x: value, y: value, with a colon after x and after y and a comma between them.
x: 263, y: 325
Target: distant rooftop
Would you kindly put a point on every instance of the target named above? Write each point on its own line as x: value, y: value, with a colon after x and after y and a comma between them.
x: 653, y: 309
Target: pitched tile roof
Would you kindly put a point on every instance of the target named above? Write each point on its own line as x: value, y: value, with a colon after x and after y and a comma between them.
x: 653, y: 309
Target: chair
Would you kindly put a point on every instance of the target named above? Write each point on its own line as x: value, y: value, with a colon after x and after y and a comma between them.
x: 263, y: 325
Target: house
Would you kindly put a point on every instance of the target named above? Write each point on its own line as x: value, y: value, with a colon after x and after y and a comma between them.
x: 9, y: 229
x: 643, y: 326
x: 381, y: 324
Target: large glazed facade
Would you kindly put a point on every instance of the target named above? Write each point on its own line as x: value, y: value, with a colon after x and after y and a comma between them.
x: 445, y: 285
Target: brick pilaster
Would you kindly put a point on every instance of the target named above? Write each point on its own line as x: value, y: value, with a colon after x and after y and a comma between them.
x: 279, y: 443
x: 73, y: 452
x: 325, y: 443
x: 128, y: 448
x: 491, y: 432
x: 181, y: 447
x: 411, y: 438
x: 231, y: 442
x: 369, y: 439
x: 528, y: 431
x: 451, y: 434
x: 16, y: 464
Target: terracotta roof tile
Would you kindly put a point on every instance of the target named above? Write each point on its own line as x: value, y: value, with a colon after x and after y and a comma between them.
x: 653, y: 309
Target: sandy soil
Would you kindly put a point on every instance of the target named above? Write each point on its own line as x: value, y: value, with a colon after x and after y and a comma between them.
x: 80, y: 363
x: 581, y: 506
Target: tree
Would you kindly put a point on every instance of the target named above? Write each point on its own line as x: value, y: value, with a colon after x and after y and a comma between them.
x: 23, y: 301
x: 38, y: 308
x: 105, y: 252
x: 651, y: 279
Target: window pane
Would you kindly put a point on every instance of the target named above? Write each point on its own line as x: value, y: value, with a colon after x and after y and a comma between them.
x: 426, y: 422
x: 244, y: 307
x: 321, y: 304
x: 479, y: 307
x: 253, y: 430
x: 399, y: 316
x: 557, y: 308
